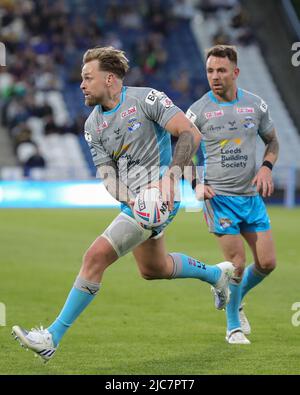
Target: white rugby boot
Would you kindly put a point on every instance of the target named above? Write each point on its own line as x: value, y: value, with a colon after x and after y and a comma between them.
x: 38, y: 340
x: 221, y: 288
x: 236, y: 336
x: 245, y: 324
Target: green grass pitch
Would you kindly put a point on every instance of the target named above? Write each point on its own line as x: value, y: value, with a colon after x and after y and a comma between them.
x: 136, y: 326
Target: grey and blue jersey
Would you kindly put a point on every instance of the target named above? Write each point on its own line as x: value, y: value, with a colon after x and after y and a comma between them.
x: 229, y: 132
x: 133, y: 135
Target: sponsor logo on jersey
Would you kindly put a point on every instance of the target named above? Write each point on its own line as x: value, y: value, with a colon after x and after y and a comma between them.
x: 132, y: 110
x: 133, y: 124
x: 152, y: 97
x: 214, y: 114
x: 263, y: 106
x: 120, y: 152
x: 232, y: 125
x: 102, y: 126
x: 128, y: 160
x: 245, y: 110
x: 232, y: 155
x: 248, y: 122
x: 223, y: 143
x: 212, y: 128
x: 191, y: 116
x: 225, y: 222
x: 117, y: 134
x: 166, y: 102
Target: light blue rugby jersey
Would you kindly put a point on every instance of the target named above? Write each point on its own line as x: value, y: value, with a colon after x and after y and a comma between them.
x: 133, y: 135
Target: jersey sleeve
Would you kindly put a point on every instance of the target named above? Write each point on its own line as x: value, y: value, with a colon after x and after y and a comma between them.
x: 195, y: 115
x: 158, y: 107
x: 98, y: 152
x: 266, y: 123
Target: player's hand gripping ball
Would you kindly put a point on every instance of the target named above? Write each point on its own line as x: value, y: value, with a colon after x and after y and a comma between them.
x: 149, y: 209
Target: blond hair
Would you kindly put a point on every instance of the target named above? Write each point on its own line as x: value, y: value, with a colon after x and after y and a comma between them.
x: 110, y: 59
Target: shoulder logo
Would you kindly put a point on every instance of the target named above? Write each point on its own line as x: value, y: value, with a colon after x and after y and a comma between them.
x: 129, y: 111
x: 88, y: 137
x: 245, y: 110
x: 263, y: 106
x: 152, y: 97
x: 214, y: 114
x: 166, y: 102
x: 191, y: 116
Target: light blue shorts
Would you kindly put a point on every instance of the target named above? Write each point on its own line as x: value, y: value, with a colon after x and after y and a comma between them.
x: 155, y: 231
x: 232, y: 215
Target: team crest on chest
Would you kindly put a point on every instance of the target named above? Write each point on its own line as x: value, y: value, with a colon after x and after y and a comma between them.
x: 248, y: 122
x: 133, y: 124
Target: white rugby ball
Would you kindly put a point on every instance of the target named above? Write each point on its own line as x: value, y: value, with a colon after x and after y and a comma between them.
x: 149, y: 209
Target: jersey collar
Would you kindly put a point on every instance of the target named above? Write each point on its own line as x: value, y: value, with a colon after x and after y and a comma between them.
x: 122, y: 98
x: 229, y: 103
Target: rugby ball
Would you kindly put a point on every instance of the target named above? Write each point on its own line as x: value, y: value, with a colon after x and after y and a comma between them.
x: 149, y: 209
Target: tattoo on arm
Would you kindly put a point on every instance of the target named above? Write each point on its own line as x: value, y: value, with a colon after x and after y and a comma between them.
x: 184, y: 150
x: 272, y: 146
x: 108, y: 172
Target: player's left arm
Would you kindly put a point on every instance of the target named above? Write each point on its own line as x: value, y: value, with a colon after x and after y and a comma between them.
x: 263, y: 179
x: 188, y: 140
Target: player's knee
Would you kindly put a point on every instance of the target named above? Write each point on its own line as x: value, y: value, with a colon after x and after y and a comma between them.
x: 239, y: 261
x: 148, y: 274
x: 96, y: 259
x: 268, y: 265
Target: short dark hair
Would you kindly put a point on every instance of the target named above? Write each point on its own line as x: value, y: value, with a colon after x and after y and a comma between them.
x: 110, y: 59
x: 223, y: 51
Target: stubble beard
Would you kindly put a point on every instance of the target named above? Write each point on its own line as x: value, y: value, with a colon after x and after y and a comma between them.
x: 220, y: 91
x: 92, y: 101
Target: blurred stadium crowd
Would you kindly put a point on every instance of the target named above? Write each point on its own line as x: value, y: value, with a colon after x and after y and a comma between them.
x: 41, y: 103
